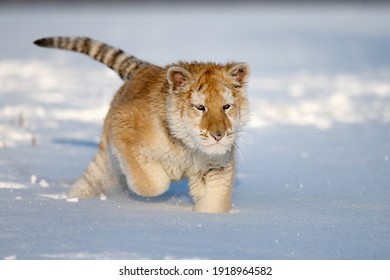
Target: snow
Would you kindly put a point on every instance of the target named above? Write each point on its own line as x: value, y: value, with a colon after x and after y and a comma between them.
x: 313, y: 178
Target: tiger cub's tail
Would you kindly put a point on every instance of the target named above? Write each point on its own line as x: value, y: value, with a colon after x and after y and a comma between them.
x: 123, y: 64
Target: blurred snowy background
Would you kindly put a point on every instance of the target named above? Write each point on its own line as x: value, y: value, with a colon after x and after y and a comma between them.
x: 314, y: 165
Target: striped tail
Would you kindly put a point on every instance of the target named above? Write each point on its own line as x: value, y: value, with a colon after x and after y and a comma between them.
x: 123, y: 64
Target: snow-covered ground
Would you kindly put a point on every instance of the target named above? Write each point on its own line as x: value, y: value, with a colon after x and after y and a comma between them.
x: 314, y: 165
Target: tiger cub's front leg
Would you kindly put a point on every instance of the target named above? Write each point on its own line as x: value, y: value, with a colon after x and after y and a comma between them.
x: 144, y: 176
x: 212, y: 191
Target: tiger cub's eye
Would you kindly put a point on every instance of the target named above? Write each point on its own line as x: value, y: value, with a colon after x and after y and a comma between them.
x: 226, y: 107
x: 200, y: 108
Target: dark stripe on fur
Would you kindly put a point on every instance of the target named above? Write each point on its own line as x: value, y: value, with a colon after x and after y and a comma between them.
x: 99, y: 51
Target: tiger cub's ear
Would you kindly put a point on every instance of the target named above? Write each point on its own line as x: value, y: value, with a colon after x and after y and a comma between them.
x: 239, y: 72
x: 178, y: 78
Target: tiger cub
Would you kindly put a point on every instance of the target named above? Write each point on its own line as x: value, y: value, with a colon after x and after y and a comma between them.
x: 165, y: 124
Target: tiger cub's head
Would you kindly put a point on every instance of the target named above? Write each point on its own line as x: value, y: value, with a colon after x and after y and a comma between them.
x: 207, y: 104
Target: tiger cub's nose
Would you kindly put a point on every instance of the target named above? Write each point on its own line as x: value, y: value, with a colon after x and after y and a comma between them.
x: 217, y: 136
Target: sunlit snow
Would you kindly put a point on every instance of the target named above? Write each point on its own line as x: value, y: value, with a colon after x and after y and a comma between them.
x: 313, y: 174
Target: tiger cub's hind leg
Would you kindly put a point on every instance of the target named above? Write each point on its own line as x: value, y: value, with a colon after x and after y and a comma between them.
x: 95, y: 180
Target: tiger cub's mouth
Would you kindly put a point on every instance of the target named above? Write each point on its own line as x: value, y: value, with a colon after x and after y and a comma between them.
x: 217, y: 144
